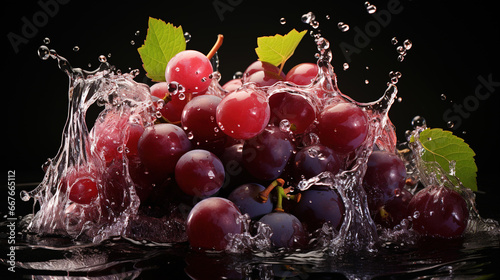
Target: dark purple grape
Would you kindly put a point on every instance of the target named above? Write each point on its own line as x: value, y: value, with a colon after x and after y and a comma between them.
x: 246, y: 197
x: 287, y: 230
x: 312, y: 160
x: 384, y: 178
x: 199, y: 173
x: 160, y: 146
x: 266, y: 155
x: 210, y: 221
x: 438, y: 211
x: 319, y: 205
x: 394, y: 210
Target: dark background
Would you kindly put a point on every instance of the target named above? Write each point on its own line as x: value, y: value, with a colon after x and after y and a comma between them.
x: 453, y: 44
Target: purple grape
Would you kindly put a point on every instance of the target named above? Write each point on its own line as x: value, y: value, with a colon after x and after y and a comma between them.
x: 312, y: 160
x: 266, y: 155
x: 246, y: 197
x: 287, y: 230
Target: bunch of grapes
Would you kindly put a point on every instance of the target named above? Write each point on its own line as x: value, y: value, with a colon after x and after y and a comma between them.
x: 241, y: 148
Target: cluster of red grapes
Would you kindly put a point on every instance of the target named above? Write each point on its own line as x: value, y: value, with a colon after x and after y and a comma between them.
x: 246, y: 140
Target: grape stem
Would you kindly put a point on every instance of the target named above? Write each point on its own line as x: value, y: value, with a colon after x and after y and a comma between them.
x: 216, y: 47
x: 264, y: 195
x: 284, y: 193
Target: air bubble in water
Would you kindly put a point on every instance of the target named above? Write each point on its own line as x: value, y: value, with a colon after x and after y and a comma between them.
x: 282, y: 20
x: 342, y: 26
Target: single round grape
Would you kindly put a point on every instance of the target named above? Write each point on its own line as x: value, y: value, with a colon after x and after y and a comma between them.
x: 160, y: 89
x: 191, y: 69
x: 83, y: 189
x: 319, y: 205
x: 246, y: 197
x: 232, y: 85
x: 293, y: 107
x: 198, y: 120
x: 438, y: 211
x: 394, y: 210
x: 314, y: 159
x: 210, y: 221
x: 243, y: 113
x: 266, y: 155
x: 199, y: 173
x: 342, y: 127
x: 302, y: 74
x: 287, y: 230
x: 384, y: 178
x: 159, y: 148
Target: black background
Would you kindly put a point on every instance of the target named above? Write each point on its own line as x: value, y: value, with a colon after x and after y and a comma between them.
x: 453, y: 44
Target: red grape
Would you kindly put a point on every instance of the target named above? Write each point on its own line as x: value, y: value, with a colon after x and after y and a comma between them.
x: 199, y: 173
x: 302, y: 74
x: 83, y: 189
x: 160, y: 146
x: 263, y: 78
x: 293, y: 107
x: 191, y: 69
x: 394, y: 210
x: 262, y: 66
x: 210, y: 221
x: 243, y: 113
x: 342, y: 127
x: 438, y: 211
x: 232, y: 85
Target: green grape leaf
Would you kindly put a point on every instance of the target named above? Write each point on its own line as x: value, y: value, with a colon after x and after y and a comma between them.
x: 443, y: 147
x: 163, y: 41
x: 278, y: 49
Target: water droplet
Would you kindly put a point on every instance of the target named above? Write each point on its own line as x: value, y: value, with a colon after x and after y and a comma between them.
x: 285, y: 125
x: 400, y: 99
x: 313, y: 153
x: 216, y: 129
x: 401, y: 58
x: 370, y: 8
x: 25, y: 196
x: 132, y: 42
x: 137, y: 33
x: 327, y: 17
x: 418, y: 121
x: 102, y: 58
x: 345, y: 66
x: 453, y: 165
x: 394, y: 40
x: 134, y: 72
x: 190, y: 135
x: 177, y: 69
x: 416, y: 214
x: 443, y: 97
x: 450, y: 124
x: 315, y: 24
x: 367, y: 82
x: 46, y: 40
x: 238, y: 75
x: 187, y: 37
x: 407, y: 44
x: 283, y: 20
x: 308, y: 18
x: 76, y: 48
x: 401, y: 50
x: 211, y: 175
x: 109, y: 55
x: 342, y: 26
x: 182, y: 96
x: 43, y: 52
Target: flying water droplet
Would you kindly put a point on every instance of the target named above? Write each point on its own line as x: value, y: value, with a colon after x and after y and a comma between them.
x: 283, y: 20
x: 132, y: 42
x: 343, y: 27
x: 345, y: 66
x: 102, y: 58
x: 443, y: 97
x: 187, y: 37
x: 308, y: 18
x: 238, y: 75
x: 407, y: 44
x: 450, y: 124
x: 76, y: 48
x: 46, y: 40
x: 285, y: 125
x: 370, y: 8
x: 137, y: 33
x: 44, y: 52
x: 394, y: 40
x: 25, y: 196
x: 418, y: 121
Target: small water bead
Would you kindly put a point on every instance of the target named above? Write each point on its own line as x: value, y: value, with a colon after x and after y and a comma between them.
x: 394, y: 40
x: 187, y: 37
x: 285, y: 125
x: 443, y: 97
x: 418, y: 121
x: 76, y: 48
x: 327, y: 17
x: 46, y: 40
x: 238, y: 75
x: 102, y: 58
x: 407, y: 44
x: 367, y: 82
x: 44, y: 52
x: 282, y: 20
x: 401, y: 58
x: 308, y: 18
x: 370, y: 8
x: 137, y: 33
x: 132, y: 42
x: 343, y: 27
x: 450, y: 124
x: 399, y: 99
x: 345, y: 66
x: 25, y: 196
